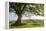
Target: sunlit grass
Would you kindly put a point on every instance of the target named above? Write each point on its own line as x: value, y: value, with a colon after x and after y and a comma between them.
x: 29, y: 24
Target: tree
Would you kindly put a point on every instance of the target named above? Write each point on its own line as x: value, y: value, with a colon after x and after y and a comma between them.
x: 21, y: 8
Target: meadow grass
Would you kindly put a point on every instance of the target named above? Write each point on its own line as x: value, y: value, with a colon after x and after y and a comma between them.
x: 29, y: 24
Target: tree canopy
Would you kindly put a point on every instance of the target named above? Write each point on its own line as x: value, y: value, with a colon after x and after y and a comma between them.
x: 21, y: 8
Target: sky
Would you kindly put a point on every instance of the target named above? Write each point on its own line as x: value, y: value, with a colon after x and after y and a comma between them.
x: 13, y: 17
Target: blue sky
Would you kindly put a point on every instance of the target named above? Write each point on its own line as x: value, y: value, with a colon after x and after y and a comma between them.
x: 13, y: 17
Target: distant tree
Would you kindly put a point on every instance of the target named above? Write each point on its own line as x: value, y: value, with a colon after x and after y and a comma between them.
x: 21, y: 8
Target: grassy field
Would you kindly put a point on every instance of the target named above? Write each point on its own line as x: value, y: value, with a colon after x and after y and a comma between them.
x: 29, y: 24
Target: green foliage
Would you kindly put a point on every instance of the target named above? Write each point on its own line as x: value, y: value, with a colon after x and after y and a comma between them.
x: 20, y: 8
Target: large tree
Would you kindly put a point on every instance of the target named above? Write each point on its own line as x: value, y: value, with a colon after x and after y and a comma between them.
x: 21, y: 8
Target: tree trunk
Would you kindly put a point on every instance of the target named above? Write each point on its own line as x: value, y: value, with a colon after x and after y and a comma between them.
x: 18, y: 22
